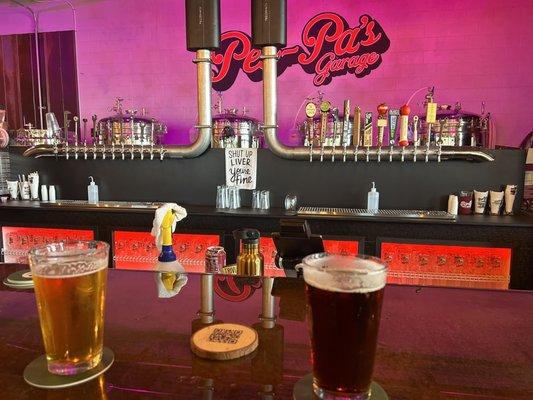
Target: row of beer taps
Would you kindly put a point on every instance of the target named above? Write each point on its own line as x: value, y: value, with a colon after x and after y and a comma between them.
x: 361, y: 137
x: 83, y: 146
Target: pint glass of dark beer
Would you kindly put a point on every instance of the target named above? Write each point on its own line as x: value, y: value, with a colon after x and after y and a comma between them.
x: 70, y: 287
x: 344, y: 296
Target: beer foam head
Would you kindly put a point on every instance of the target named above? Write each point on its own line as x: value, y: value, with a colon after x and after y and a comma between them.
x: 68, y: 259
x: 349, y: 274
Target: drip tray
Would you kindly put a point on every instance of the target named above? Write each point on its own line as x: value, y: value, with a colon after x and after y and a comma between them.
x: 361, y: 212
x: 101, y: 204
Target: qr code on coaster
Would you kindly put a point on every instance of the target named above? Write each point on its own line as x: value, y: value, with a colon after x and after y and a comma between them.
x: 230, y: 336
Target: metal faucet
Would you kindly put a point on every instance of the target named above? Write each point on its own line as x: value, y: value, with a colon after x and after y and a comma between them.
x: 122, y: 150
x: 356, y: 153
x: 391, y: 152
x: 367, y: 153
x: 103, y: 151
x: 379, y: 153
x: 403, y: 153
x: 84, y: 150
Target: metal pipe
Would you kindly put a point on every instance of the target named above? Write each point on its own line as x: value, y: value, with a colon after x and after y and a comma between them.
x: 204, y: 126
x: 268, y: 316
x: 304, y: 153
x: 396, y: 153
x: 37, y: 58
x: 207, y: 304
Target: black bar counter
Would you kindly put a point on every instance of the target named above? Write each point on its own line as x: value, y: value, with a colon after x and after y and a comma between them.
x: 434, y: 343
x: 515, y: 232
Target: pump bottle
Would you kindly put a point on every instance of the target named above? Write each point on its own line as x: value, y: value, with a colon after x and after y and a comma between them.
x: 92, y: 192
x: 372, y: 204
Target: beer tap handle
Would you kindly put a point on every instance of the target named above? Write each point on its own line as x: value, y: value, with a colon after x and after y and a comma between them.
x: 356, y: 127
x: 393, y: 125
x: 335, y: 113
x: 405, y: 110
x: 84, y: 130
x: 311, y: 147
x: 66, y: 124
x: 95, y: 133
x: 431, y: 116
x: 367, y: 130
x: 310, y: 112
x: 382, y: 122
x: 415, y: 129
x: 76, y: 120
x: 152, y: 131
x: 345, y: 128
x: 415, y: 136
x: 324, y: 111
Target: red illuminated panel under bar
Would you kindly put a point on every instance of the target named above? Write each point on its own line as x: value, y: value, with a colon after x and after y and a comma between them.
x: 137, y: 250
x: 19, y: 240
x: 446, y: 265
x: 268, y: 249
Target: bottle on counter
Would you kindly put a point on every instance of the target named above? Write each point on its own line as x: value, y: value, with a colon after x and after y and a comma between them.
x: 372, y: 204
x: 52, y: 194
x: 92, y: 192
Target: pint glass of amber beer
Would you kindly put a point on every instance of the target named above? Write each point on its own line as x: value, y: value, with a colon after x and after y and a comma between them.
x: 344, y: 296
x: 70, y: 286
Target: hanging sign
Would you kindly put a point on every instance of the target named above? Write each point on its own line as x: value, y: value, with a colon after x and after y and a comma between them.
x: 241, y: 168
x: 330, y: 48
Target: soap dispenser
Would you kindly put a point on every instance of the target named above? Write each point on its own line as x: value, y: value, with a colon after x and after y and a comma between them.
x: 372, y: 204
x: 92, y: 192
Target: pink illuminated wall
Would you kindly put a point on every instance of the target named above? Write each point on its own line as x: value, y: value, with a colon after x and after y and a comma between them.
x: 471, y: 51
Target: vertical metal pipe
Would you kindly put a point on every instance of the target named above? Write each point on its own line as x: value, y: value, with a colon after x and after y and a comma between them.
x: 270, y: 96
x: 268, y: 317
x: 207, y: 304
x: 203, y: 60
x: 37, y: 58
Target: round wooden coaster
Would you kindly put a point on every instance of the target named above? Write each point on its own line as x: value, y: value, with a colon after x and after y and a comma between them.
x: 224, y: 341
